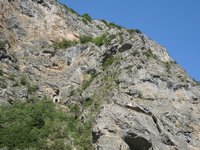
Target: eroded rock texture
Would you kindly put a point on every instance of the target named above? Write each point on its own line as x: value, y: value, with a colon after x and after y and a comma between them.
x: 140, y: 99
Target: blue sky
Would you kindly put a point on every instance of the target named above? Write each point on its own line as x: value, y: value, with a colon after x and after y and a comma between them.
x: 175, y: 24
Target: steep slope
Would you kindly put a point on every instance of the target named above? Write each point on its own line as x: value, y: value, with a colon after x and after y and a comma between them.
x: 125, y: 84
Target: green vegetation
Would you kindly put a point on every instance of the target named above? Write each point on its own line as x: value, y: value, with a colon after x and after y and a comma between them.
x: 15, y: 83
x: 86, y: 18
x: 111, y: 25
x: 131, y: 31
x: 1, y: 72
x: 108, y: 62
x: 135, y: 53
x: 3, y: 84
x: 2, y: 44
x: 182, y: 78
x: 197, y: 82
x: 24, y: 80
x: 138, y: 31
x: 149, y: 54
x: 121, y: 39
x: 31, y: 88
x: 99, y: 41
x: 85, y: 39
x: 173, y: 62
x: 99, y: 27
x: 87, y: 103
x: 64, y: 44
x: 40, y: 124
x: 87, y: 82
x: 109, y: 81
x: 168, y: 66
x: 70, y: 9
x: 11, y: 76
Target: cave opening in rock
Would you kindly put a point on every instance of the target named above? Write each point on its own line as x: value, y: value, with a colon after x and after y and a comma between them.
x: 136, y: 142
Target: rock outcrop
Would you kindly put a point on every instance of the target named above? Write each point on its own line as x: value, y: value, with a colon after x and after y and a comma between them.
x: 137, y: 96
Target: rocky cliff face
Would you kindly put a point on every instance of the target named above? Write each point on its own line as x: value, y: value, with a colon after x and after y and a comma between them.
x: 136, y: 95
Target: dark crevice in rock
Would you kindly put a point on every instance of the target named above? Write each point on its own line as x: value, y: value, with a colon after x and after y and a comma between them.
x: 136, y: 142
x: 143, y: 40
x: 3, y: 53
x: 52, y: 52
x: 145, y: 111
x: 57, y: 91
x: 181, y: 86
x: 125, y: 47
x: 169, y: 85
x: 134, y: 93
x: 156, y: 122
x: 10, y: 101
x: 186, y: 135
x: 109, y: 53
x: 150, y: 81
x: 140, y: 109
x: 91, y: 71
x: 166, y: 140
x: 39, y: 1
x: 96, y: 136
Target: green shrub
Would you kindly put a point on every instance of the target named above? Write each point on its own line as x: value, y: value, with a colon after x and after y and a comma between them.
x: 104, y: 21
x: 15, y: 83
x: 115, y: 25
x: 2, y: 44
x: 167, y: 66
x: 86, y: 17
x: 32, y: 88
x: 131, y: 31
x: 64, y: 44
x: 3, y: 83
x: 40, y: 125
x: 138, y: 31
x: 85, y: 39
x: 173, y: 62
x: 11, y: 76
x: 70, y: 9
x: 197, y: 82
x: 99, y: 27
x: 149, y: 54
x: 87, y: 103
x: 100, y: 40
x: 24, y: 80
x: 111, y: 24
x: 87, y: 82
x: 1, y: 72
x: 108, y: 62
x: 135, y: 53
x: 23, y: 124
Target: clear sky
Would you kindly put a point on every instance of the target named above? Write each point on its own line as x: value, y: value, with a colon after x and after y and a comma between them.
x: 175, y: 24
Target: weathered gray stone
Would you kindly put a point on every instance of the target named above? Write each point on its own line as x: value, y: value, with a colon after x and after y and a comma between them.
x: 144, y: 99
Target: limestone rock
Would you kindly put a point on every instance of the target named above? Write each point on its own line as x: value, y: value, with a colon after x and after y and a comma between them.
x: 136, y: 95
